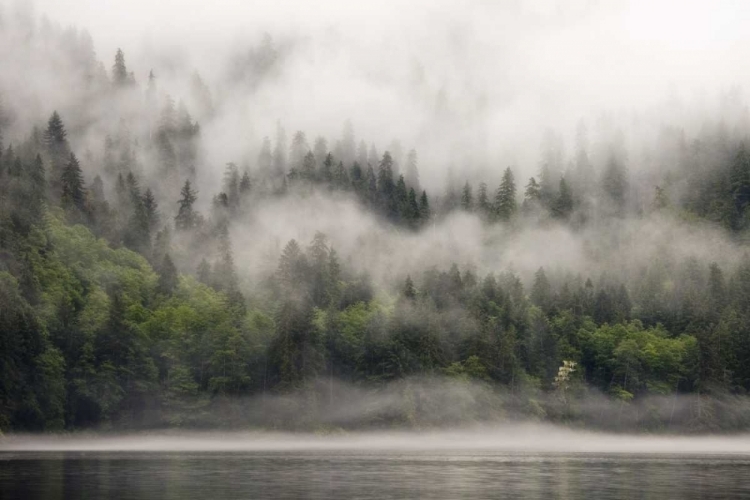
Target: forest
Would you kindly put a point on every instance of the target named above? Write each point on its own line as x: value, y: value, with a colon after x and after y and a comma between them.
x: 136, y: 293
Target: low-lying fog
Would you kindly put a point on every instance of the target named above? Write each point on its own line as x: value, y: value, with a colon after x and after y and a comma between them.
x: 507, y: 438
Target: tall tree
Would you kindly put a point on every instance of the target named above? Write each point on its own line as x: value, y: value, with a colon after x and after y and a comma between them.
x: 120, y: 75
x: 505, y: 198
x: 615, y: 185
x: 187, y: 218
x: 73, y: 196
x: 467, y: 198
x: 564, y: 204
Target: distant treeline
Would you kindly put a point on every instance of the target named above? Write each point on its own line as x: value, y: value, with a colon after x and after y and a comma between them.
x: 100, y: 325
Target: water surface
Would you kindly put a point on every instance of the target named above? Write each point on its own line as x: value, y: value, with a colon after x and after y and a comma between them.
x: 96, y: 468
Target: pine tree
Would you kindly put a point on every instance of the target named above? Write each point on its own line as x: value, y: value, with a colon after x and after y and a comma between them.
x: 73, y: 196
x: 320, y: 151
x: 386, y: 186
x: 245, y: 184
x: 362, y: 154
x: 467, y: 198
x: 326, y: 170
x: 564, y: 204
x: 55, y: 136
x: 424, y: 207
x: 168, y: 277
x: 231, y: 184
x: 505, y: 198
x: 739, y: 177
x: 541, y: 291
x: 38, y: 182
x: 151, y: 211
x: 483, y: 201
x: 356, y: 176
x: 186, y: 218
x: 615, y: 185
x: 224, y: 274
x: 340, y: 178
x: 298, y: 150
x: 371, y: 185
x: 412, y: 214
x: 56, y: 144
x: 120, y: 75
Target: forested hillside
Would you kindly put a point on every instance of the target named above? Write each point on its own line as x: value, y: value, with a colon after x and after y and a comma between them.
x: 126, y: 300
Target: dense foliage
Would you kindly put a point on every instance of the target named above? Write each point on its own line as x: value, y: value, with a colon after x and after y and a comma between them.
x: 117, y: 311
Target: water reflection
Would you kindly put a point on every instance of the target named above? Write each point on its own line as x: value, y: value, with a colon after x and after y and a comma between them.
x: 377, y: 475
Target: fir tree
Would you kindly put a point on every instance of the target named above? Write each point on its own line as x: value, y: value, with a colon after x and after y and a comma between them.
x: 564, y: 204
x: 168, y: 277
x: 73, y: 194
x: 505, y: 198
x: 120, y: 75
x: 424, y: 207
x: 186, y: 218
x: 467, y: 198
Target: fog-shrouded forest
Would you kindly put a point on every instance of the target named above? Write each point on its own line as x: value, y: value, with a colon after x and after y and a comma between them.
x: 321, y: 226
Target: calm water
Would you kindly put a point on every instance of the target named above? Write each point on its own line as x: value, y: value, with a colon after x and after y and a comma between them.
x: 379, y: 474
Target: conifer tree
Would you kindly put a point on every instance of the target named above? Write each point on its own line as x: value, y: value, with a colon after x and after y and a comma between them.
x: 615, y: 185
x: 120, y: 75
x: 412, y: 209
x: 308, y: 167
x: 56, y: 145
x: 168, y: 277
x: 245, y: 184
x: 467, y: 198
x: 483, y: 201
x: 186, y: 218
x: 564, y: 204
x: 505, y: 198
x: 424, y: 207
x: 73, y: 196
x: 386, y: 186
x: 541, y: 291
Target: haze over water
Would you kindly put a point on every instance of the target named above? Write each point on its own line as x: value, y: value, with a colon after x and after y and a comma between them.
x: 508, y: 462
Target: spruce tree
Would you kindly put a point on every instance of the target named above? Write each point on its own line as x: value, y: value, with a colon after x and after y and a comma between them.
x: 424, y: 207
x: 245, y: 184
x: 467, y: 198
x: 615, y: 186
x: 168, y: 277
x: 73, y: 194
x: 120, y: 76
x: 483, y: 201
x: 186, y: 218
x: 564, y: 204
x: 505, y: 198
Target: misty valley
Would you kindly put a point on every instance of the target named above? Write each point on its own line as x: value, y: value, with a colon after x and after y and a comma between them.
x: 372, y: 255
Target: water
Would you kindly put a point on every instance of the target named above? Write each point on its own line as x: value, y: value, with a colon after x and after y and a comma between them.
x: 293, y: 467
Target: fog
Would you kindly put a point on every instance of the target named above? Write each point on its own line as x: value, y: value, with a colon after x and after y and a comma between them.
x: 471, y: 85
x: 501, y: 439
